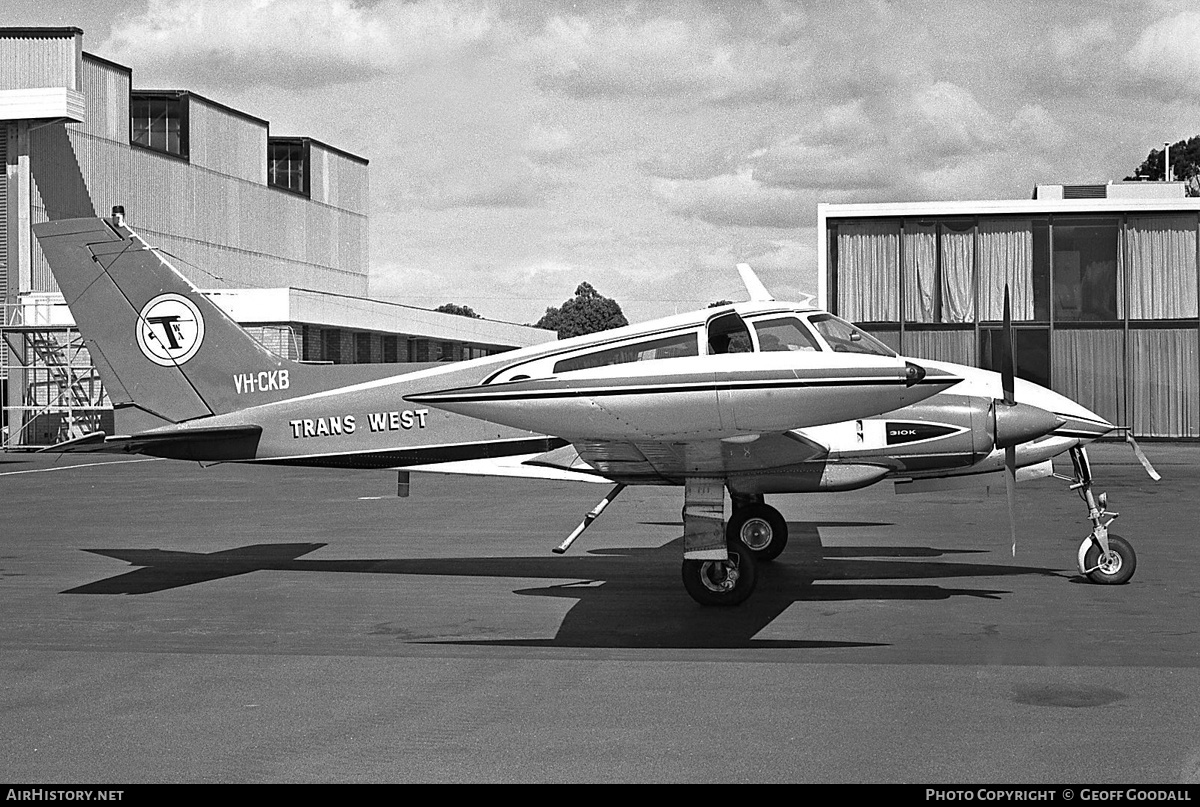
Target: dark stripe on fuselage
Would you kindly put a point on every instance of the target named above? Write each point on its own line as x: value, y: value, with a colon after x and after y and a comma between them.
x: 434, y: 399
x: 393, y: 458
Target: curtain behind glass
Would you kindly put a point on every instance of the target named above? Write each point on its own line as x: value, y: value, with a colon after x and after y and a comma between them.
x: 1006, y: 257
x: 1162, y: 267
x: 1166, y: 383
x: 868, y: 271
x: 1089, y: 367
x: 958, y: 272
x: 952, y: 346
x: 920, y: 272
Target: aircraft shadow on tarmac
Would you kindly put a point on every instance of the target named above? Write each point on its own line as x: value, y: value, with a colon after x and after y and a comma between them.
x: 627, y: 598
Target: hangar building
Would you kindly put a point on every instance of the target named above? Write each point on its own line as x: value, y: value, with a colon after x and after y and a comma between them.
x: 1103, y: 281
x: 275, y: 227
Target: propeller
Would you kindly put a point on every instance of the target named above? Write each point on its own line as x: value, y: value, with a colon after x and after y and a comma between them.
x: 1009, y: 384
x: 1015, y: 423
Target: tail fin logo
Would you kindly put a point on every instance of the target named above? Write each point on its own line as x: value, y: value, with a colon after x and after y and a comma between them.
x: 170, y: 330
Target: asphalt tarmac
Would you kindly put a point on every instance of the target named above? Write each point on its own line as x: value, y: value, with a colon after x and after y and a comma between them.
x: 164, y: 622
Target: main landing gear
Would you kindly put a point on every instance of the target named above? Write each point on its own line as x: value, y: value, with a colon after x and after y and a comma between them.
x: 1103, y: 557
x: 755, y: 533
x: 758, y: 526
x: 722, y: 582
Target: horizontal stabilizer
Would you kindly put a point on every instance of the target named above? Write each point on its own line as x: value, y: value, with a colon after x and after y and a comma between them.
x: 90, y: 442
x: 212, y: 443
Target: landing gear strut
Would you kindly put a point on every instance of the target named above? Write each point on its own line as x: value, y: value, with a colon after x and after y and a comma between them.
x: 759, y: 526
x: 1104, y: 557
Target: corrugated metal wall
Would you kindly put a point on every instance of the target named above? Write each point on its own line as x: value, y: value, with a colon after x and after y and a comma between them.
x: 338, y: 180
x: 106, y: 96
x: 215, y: 212
x: 4, y: 227
x: 226, y: 143
x: 39, y: 61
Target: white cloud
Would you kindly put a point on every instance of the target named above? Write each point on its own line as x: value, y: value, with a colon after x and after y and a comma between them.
x: 699, y: 52
x: 734, y: 199
x: 945, y: 120
x: 292, y: 43
x: 1167, y: 54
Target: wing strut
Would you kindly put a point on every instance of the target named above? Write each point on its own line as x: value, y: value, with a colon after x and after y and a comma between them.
x: 588, y: 519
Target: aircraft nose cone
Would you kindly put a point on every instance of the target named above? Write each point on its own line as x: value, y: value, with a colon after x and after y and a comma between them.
x: 1020, y: 423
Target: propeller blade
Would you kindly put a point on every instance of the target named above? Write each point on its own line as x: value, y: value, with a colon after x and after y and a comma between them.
x: 1007, y: 373
x: 1010, y: 487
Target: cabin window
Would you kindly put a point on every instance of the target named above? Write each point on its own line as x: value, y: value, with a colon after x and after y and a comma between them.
x: 670, y: 347
x: 783, y: 334
x: 845, y: 338
x: 729, y: 334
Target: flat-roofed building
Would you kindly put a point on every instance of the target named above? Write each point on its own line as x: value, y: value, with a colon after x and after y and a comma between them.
x: 275, y: 227
x: 1103, y: 282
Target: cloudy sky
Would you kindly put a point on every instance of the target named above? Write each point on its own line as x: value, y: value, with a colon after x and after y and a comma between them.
x: 519, y: 148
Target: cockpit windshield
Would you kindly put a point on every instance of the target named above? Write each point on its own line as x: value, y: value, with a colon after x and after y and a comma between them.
x: 846, y: 338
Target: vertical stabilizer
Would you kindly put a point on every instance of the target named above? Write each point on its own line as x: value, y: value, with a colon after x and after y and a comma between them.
x: 165, y: 352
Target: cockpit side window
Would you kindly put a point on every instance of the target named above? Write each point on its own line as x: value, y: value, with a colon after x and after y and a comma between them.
x: 846, y: 338
x: 783, y: 334
x: 729, y: 334
x: 668, y: 347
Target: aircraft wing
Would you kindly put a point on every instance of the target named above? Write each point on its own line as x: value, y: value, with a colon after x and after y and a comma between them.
x: 670, y: 462
x: 645, y: 462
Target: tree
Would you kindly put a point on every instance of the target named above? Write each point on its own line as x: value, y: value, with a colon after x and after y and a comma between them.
x: 1185, y: 165
x: 460, y: 310
x: 587, y: 312
x: 720, y: 303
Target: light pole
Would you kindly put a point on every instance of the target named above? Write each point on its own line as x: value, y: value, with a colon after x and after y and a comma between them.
x: 1167, y: 161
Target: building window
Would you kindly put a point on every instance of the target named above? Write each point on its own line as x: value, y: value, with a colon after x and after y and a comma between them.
x: 1162, y: 267
x: 1031, y: 352
x: 1085, y: 270
x: 287, y: 164
x: 158, y: 121
x: 868, y: 270
x: 331, y: 345
x: 391, y: 349
x: 362, y: 348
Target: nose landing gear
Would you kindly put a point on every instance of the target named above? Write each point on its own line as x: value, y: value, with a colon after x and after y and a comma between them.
x: 1103, y: 557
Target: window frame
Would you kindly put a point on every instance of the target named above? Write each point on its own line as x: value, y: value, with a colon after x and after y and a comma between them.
x: 634, y: 347
x: 179, y: 97
x: 304, y: 145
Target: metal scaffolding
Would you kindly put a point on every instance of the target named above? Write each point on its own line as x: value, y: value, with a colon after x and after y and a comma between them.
x: 54, y: 391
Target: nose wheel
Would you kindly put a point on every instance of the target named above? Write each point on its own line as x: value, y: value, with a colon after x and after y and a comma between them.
x: 1113, y: 566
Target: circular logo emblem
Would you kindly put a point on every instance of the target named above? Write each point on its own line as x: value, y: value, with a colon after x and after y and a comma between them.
x: 170, y: 330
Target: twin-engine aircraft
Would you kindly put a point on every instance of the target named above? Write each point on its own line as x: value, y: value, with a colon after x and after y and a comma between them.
x: 753, y: 398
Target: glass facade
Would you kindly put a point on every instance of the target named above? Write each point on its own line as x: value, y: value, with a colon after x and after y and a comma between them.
x: 1104, y: 304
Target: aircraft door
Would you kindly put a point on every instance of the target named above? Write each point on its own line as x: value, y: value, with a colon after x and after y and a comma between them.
x: 728, y: 334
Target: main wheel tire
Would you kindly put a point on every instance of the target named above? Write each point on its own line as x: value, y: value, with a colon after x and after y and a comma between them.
x: 1114, y: 568
x: 722, y: 583
x: 761, y: 528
